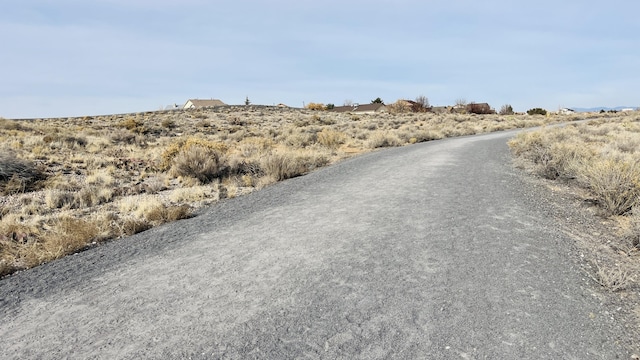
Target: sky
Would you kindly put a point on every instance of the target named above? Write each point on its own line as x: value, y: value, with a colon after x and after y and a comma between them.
x: 76, y: 57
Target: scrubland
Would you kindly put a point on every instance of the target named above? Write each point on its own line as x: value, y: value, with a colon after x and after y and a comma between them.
x: 597, y: 161
x: 67, y: 184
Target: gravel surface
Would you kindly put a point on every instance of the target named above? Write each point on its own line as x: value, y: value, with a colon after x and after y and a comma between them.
x: 438, y: 250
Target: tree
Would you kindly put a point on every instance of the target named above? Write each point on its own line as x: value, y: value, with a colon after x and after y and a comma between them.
x: 537, y: 111
x: 246, y: 101
x: 400, y: 106
x: 506, y: 110
x: 329, y: 107
x: 315, y: 106
x: 348, y: 102
x: 461, y: 102
x: 377, y: 101
x: 423, y: 101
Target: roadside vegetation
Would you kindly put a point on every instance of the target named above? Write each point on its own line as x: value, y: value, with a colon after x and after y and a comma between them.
x: 70, y: 183
x: 600, y: 161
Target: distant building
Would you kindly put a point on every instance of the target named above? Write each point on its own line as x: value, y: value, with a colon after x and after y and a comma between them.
x: 442, y: 109
x: 479, y: 108
x: 566, y: 111
x: 198, y: 103
x: 360, y: 109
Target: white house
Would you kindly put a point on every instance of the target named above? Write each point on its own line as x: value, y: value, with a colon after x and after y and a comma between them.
x: 198, y: 103
x: 361, y: 109
x: 566, y: 111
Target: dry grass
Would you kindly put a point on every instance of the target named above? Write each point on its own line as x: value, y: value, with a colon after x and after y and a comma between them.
x: 598, y: 156
x: 95, y: 178
x: 600, y: 161
x: 613, y: 278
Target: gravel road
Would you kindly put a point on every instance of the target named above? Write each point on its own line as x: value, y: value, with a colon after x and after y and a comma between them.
x: 438, y: 250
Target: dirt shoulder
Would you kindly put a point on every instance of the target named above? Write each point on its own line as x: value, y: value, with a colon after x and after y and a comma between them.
x: 602, y: 251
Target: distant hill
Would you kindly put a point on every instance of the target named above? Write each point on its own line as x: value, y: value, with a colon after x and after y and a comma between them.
x: 597, y: 109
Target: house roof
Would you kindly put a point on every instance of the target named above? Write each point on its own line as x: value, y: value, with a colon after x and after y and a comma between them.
x: 358, y: 108
x: 205, y: 103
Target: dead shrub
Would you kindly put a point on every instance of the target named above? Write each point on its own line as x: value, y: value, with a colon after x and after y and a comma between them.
x: 613, y: 278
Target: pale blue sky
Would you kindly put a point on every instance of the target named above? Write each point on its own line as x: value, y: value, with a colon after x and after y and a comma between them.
x: 80, y: 57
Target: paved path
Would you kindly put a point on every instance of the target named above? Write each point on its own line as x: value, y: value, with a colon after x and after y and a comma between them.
x: 434, y: 251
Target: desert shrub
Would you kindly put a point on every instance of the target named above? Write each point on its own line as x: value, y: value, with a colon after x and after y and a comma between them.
x: 91, y: 196
x: 168, y: 123
x: 133, y: 125
x: 199, y: 162
x: 287, y: 164
x: 251, y: 146
x: 122, y: 136
x: 537, y: 111
x: 301, y: 140
x: 100, y: 178
x: 239, y: 165
x: 315, y: 106
x: 190, y: 194
x: 330, y: 138
x: 382, y: 139
x: 283, y: 166
x: 61, y: 183
x: 615, y: 184
x: 24, y: 245
x: 17, y: 175
x: 132, y: 226
x: 506, y: 110
x: 68, y: 235
x: 425, y: 135
x: 7, y: 124
x: 551, y: 153
x: 61, y: 141
x: 151, y: 210
x: 183, y: 145
x: 57, y: 199
x: 18, y: 242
